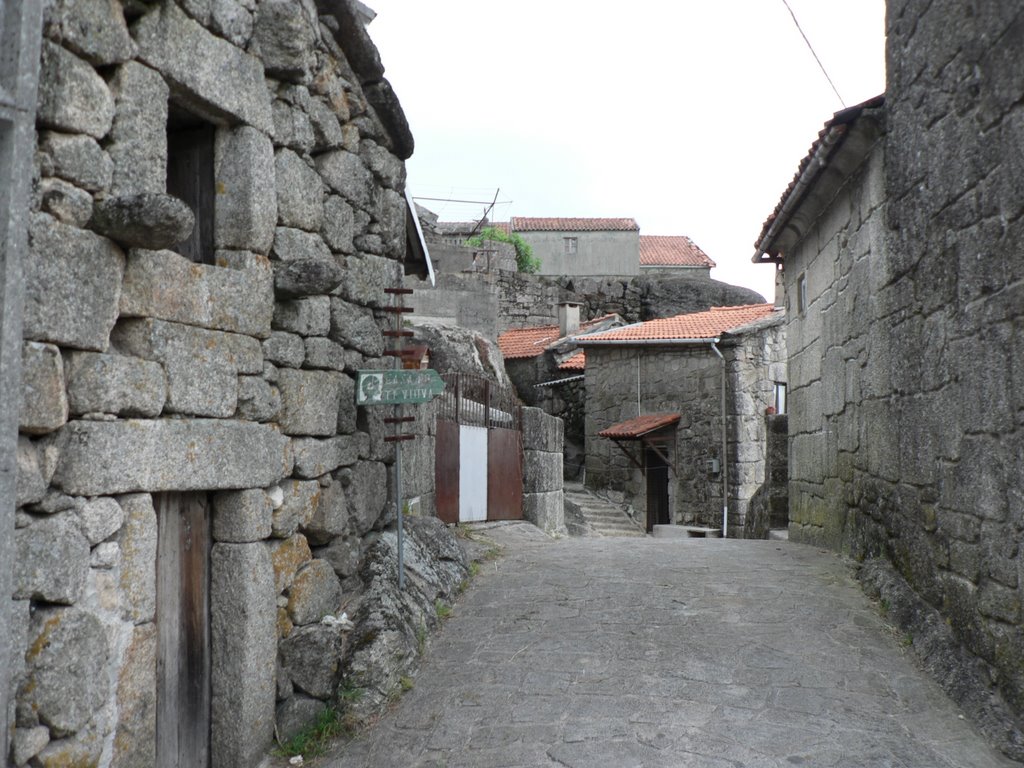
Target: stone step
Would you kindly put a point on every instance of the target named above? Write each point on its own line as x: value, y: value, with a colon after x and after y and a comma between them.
x: 599, y: 517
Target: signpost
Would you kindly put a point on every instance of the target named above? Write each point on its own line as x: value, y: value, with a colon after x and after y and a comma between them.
x: 398, y: 387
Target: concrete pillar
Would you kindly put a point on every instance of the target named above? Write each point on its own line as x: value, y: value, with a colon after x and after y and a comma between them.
x: 568, y: 318
x: 20, y: 28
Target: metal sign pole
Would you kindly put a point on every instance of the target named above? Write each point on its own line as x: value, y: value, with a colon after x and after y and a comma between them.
x: 398, y: 495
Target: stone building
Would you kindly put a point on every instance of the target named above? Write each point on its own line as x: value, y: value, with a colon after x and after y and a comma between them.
x: 546, y: 368
x: 902, y: 245
x: 216, y: 212
x: 673, y: 256
x: 582, y: 246
x: 675, y: 413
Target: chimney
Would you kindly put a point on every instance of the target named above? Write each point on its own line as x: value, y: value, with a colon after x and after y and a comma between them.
x: 568, y: 318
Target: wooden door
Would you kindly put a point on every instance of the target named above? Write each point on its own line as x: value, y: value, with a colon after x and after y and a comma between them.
x: 504, y: 474
x: 446, y: 470
x: 657, y: 490
x: 183, y: 630
x: 190, y: 158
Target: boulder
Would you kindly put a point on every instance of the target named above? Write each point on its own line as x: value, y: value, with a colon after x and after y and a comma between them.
x: 367, y: 494
x: 307, y: 277
x: 312, y: 658
x: 150, y: 220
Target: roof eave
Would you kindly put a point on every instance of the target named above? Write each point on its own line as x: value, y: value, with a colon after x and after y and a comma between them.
x: 841, y: 149
x: 647, y: 342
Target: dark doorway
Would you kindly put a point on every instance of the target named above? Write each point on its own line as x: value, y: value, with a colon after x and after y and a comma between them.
x: 190, y: 156
x: 657, y: 489
x: 183, y: 630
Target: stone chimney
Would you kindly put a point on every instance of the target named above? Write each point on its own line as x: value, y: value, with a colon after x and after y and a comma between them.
x: 568, y: 318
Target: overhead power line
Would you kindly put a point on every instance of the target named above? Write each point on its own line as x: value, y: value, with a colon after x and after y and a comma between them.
x: 815, y: 55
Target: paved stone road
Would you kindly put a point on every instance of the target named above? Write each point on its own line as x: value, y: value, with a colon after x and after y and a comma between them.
x: 645, y: 652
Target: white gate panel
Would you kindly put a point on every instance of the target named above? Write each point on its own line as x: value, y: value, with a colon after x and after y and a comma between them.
x: 472, y: 474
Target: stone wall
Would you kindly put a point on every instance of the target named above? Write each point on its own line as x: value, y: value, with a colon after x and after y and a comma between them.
x: 906, y: 395
x: 230, y: 374
x: 495, y: 302
x: 542, y: 471
x: 686, y: 380
x: 769, y: 506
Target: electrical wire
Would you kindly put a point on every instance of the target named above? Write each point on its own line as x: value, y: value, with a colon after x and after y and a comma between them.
x: 815, y: 55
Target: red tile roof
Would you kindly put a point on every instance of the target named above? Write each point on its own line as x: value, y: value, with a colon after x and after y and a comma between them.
x: 577, y: 362
x: 671, y: 251
x: 519, y: 343
x: 631, y: 429
x: 528, y: 224
x: 698, y: 325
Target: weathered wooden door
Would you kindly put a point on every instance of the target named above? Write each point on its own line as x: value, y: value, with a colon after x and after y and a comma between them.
x: 657, y: 490
x: 504, y: 474
x: 183, y: 630
x: 190, y: 163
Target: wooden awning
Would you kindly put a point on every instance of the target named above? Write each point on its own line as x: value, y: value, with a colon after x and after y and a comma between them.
x: 635, y: 429
x: 642, y: 429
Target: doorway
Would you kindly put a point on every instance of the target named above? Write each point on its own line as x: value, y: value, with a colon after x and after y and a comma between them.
x: 183, y: 630
x: 657, y: 489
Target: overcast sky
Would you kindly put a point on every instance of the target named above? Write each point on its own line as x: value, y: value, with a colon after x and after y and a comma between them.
x: 690, y: 117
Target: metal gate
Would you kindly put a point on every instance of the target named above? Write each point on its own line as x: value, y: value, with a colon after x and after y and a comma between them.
x: 478, y: 466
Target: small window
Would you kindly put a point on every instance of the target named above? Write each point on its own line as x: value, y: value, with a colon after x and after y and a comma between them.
x: 190, y: 164
x: 801, y: 293
x: 780, y: 397
x: 570, y: 245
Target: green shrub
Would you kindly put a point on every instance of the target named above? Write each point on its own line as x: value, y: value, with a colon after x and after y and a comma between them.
x: 525, y: 260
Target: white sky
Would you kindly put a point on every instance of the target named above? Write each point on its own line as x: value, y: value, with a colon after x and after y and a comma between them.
x: 689, y: 116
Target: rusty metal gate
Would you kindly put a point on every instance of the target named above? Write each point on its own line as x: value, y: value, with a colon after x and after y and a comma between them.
x: 492, y: 469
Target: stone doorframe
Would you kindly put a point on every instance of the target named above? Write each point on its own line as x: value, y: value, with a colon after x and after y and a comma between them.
x: 20, y: 34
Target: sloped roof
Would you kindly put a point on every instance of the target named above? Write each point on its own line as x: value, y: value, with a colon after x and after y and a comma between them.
x: 577, y: 362
x: 828, y: 143
x: 530, y: 224
x: 698, y: 325
x: 671, y: 251
x: 519, y: 343
x: 631, y: 429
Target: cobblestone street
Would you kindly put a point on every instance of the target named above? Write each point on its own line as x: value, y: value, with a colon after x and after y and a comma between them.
x: 642, y: 652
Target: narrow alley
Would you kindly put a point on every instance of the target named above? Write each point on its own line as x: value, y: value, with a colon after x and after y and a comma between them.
x: 643, y: 652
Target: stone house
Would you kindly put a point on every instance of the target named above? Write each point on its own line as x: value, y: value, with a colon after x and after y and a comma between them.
x: 196, y: 260
x: 546, y: 367
x: 673, y: 256
x: 902, y: 250
x: 582, y: 246
x: 675, y: 413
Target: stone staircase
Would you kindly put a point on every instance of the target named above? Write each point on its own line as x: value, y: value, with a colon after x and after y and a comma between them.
x: 588, y: 515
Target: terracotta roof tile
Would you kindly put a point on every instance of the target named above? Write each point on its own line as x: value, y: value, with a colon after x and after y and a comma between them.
x: 577, y: 362
x: 520, y: 343
x: 671, y: 251
x: 532, y: 224
x: 631, y: 429
x: 697, y: 325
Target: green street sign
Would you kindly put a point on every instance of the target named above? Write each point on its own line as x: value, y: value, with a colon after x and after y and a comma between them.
x: 397, y: 387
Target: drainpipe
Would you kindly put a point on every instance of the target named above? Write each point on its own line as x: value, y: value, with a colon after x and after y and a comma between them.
x: 725, y: 451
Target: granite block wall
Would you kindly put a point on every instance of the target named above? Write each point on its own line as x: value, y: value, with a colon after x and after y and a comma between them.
x: 215, y: 209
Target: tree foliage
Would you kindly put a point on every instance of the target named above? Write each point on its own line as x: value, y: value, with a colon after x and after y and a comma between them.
x: 525, y: 260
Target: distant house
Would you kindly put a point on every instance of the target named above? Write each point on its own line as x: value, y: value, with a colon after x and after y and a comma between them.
x: 546, y: 367
x: 675, y: 412
x: 673, y: 256
x: 581, y: 246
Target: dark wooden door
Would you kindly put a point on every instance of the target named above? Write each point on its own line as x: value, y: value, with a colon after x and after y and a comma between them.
x: 657, y: 490
x: 183, y: 630
x: 446, y: 470
x: 190, y: 178
x: 504, y: 474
